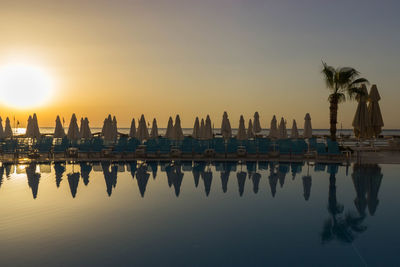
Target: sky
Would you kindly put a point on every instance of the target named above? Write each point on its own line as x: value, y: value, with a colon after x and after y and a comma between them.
x: 161, y: 58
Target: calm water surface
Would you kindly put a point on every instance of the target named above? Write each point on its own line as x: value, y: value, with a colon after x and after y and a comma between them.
x: 199, y: 214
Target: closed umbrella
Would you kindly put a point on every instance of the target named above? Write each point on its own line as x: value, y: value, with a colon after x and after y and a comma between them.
x: 250, y: 133
x: 202, y: 129
x: 170, y: 129
x: 294, y: 133
x: 143, y: 133
x: 226, y: 130
x: 208, y: 128
x: 241, y: 135
x: 154, y: 129
x: 8, y: 131
x: 375, y: 115
x: 59, y: 130
x: 361, y: 121
x: 307, y: 132
x: 86, y: 132
x: 1, y: 128
x: 114, y: 128
x: 282, y: 129
x: 196, y: 129
x: 107, y: 129
x: 273, y: 131
x: 82, y: 127
x: 36, y: 131
x: 29, y: 130
x: 177, y: 134
x: 257, y: 125
x: 73, y: 129
x: 132, y: 131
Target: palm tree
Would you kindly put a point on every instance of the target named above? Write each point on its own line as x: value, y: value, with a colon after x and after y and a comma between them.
x: 343, y: 83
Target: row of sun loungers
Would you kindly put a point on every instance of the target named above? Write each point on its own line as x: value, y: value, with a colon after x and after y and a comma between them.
x: 125, y: 147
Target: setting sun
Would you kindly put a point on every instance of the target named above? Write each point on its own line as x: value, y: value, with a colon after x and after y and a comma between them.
x: 24, y: 85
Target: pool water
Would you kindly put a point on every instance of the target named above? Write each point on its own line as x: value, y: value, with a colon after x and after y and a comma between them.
x: 199, y: 214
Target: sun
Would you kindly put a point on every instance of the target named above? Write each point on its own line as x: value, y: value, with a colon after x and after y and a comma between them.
x: 24, y: 85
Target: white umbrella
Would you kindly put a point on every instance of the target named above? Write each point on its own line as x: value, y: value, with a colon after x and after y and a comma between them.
x: 114, y: 128
x: 208, y: 128
x: 132, y: 132
x: 82, y: 127
x: 154, y: 129
x: 73, y: 129
x: 170, y: 129
x: 196, y: 129
x: 273, y: 130
x: 202, y: 129
x: 226, y: 130
x: 257, y: 125
x: 59, y: 130
x: 86, y: 133
x: 307, y: 132
x: 250, y: 132
x: 375, y: 115
x: 1, y: 128
x: 107, y: 130
x: 361, y: 121
x: 177, y: 134
x: 8, y: 131
x: 294, y: 133
x: 241, y: 135
x: 29, y: 125
x: 142, y: 133
x: 36, y: 131
x: 282, y: 129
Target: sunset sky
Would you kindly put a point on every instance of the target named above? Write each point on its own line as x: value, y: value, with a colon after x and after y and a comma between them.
x: 201, y: 57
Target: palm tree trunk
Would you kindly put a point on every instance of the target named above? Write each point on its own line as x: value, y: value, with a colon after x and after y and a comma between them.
x: 333, y: 109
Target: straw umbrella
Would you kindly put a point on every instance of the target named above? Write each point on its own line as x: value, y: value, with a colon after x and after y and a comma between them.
x: 241, y: 135
x: 114, y: 128
x: 154, y: 129
x: 142, y: 133
x: 196, y: 129
x: 202, y: 129
x: 257, y: 125
x: 294, y: 133
x: 226, y: 130
x: 81, y: 128
x: 307, y: 132
x: 59, y: 130
x: 29, y: 132
x: 73, y: 129
x: 170, y: 128
x: 250, y: 133
x: 8, y: 131
x: 36, y: 131
x: 375, y: 115
x: 282, y: 129
x: 361, y: 121
x: 107, y: 129
x: 132, y: 132
x: 273, y: 132
x: 1, y: 128
x: 85, y: 132
x: 208, y: 128
x: 177, y: 133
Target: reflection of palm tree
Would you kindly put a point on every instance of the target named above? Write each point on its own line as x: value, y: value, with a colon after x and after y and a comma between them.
x: 59, y: 169
x: 33, y: 178
x: 342, y: 228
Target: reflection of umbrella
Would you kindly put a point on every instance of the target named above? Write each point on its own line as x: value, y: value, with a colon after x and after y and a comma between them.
x: 307, y: 186
x: 255, y: 177
x: 273, y: 181
x: 132, y: 131
x: 196, y: 129
x: 198, y: 168
x: 33, y: 178
x: 224, y: 180
x: 283, y: 169
x: 110, y: 176
x: 241, y: 178
x: 273, y: 131
x: 375, y: 115
x: 131, y: 167
x: 257, y: 126
x: 1, y: 175
x: 86, y: 168
x: 59, y: 130
x: 73, y: 180
x: 59, y: 169
x: 226, y: 130
x: 359, y: 178
x: 361, y: 121
x: 207, y: 179
x: 142, y: 177
x: 153, y: 166
x: 175, y: 177
x: 296, y: 168
x: 241, y: 135
x: 374, y: 182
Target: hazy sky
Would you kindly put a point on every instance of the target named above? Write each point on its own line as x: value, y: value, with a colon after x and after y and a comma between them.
x: 202, y: 57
